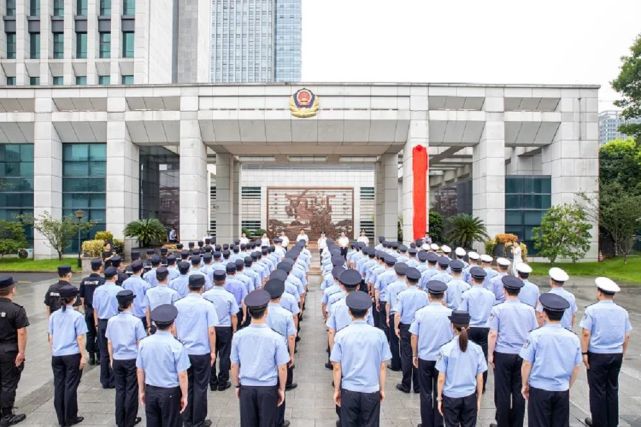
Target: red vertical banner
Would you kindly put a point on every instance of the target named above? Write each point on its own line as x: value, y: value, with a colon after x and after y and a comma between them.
x: 419, y: 191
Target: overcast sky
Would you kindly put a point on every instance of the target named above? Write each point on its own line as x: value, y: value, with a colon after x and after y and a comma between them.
x: 480, y: 41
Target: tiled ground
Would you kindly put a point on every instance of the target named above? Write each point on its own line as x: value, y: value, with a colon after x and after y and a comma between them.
x: 308, y: 405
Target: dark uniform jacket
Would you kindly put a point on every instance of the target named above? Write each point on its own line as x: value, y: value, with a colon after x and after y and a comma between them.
x: 52, y: 297
x: 88, y: 286
x: 12, y: 318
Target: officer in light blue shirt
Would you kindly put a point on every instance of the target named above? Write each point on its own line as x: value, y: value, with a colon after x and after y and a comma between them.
x: 496, y: 284
x: 259, y: 365
x: 442, y: 275
x: 422, y: 258
x: 150, y: 276
x: 237, y: 289
x: 457, y: 286
x: 382, y: 281
x: 124, y: 332
x: 431, y: 329
x: 510, y: 324
x: 181, y: 283
x: 393, y: 289
x: 160, y: 294
x: 251, y: 273
x: 195, y: 328
x: 105, y: 306
x: 430, y: 271
x: 67, y: 329
x: 240, y: 275
x: 172, y: 267
x: 604, y: 341
x: 474, y: 260
x: 551, y: 361
x: 530, y: 292
x: 359, y: 355
x: 486, y: 264
x: 460, y: 365
x: 138, y: 286
x: 196, y: 270
x: 558, y: 277
x: 162, y: 371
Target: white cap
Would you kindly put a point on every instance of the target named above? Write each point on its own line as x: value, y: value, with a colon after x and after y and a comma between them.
x: 473, y: 255
x: 522, y: 267
x: 425, y: 246
x: 434, y: 247
x: 446, y: 249
x: 486, y: 258
x: 558, y: 275
x: 503, y: 262
x: 459, y: 251
x: 607, y: 285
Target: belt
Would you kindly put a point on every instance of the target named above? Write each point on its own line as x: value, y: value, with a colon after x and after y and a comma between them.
x: 153, y: 387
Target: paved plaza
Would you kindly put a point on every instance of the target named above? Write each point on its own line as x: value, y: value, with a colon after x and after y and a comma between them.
x: 311, y: 403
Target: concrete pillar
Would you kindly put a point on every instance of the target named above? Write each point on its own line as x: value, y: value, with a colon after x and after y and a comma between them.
x: 572, y: 159
x: 47, y: 172
x: 387, y: 196
x: 227, y: 201
x: 488, y: 171
x: 123, y: 171
x: 194, y: 194
x: 418, y: 135
x: 235, y: 207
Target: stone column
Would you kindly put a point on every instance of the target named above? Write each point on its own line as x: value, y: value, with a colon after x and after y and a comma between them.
x: 418, y: 135
x: 47, y: 172
x: 227, y: 218
x: 488, y: 171
x: 387, y: 196
x: 123, y: 171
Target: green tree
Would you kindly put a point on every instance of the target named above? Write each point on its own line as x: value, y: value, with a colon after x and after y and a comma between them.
x: 148, y: 231
x: 12, y: 237
x: 620, y: 162
x: 463, y: 230
x: 564, y: 233
x: 436, y: 226
x: 58, y: 232
x: 628, y: 84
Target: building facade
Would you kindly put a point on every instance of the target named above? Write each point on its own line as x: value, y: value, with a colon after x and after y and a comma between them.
x: 609, y: 122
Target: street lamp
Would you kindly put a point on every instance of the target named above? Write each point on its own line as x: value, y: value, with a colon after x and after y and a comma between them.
x: 79, y: 215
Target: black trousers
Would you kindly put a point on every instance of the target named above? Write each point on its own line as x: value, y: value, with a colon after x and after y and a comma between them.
x: 198, y: 374
x: 360, y: 409
x: 460, y: 411
x: 383, y: 318
x: 394, y: 344
x: 603, y: 379
x: 9, y: 378
x: 106, y: 374
x: 510, y: 404
x: 223, y: 350
x: 126, y: 384
x: 428, y: 378
x: 162, y: 406
x: 241, y: 318
x: 92, y: 332
x: 548, y: 408
x: 344, y: 252
x: 258, y: 406
x: 479, y: 336
x: 410, y: 374
x: 66, y: 378
x: 376, y: 315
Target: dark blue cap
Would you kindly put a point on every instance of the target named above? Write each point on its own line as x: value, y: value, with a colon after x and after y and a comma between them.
x: 220, y: 275
x: 460, y: 317
x: 278, y: 274
x: 432, y: 257
x: 125, y: 296
x: 389, y: 260
x: 195, y: 260
x: 207, y: 256
x: 183, y: 267
x: 478, y: 273
x: 275, y: 288
x: 162, y: 273
x: 6, y: 281
x: 196, y: 281
x: 248, y: 261
x: 116, y: 260
x: 402, y: 248
x: 413, y: 274
x: 164, y: 314
x: 230, y: 267
x: 511, y: 282
x: 240, y: 264
x: 457, y: 265
x: 110, y: 272
x: 63, y: 270
x: 217, y: 254
x: 336, y: 271
x: 338, y: 260
x: 358, y: 300
x: 443, y: 261
x: 553, y: 302
x: 155, y: 260
x: 136, y: 266
x: 350, y: 277
x: 400, y: 268
x: 96, y: 264
x: 68, y: 291
x: 422, y: 256
x: 436, y: 287
x: 412, y: 251
x: 171, y: 259
x: 257, y: 299
x: 285, y: 266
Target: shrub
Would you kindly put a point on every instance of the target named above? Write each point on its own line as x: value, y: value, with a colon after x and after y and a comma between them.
x: 118, y: 246
x: 436, y: 226
x: 463, y: 230
x: 93, y: 248
x: 12, y: 237
x: 564, y: 233
x: 148, y: 231
x: 490, y: 244
x: 107, y: 236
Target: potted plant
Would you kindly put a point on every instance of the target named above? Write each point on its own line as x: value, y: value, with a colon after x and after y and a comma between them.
x: 91, y: 249
x: 463, y: 230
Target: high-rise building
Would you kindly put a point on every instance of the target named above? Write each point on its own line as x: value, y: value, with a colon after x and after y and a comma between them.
x: 609, y: 122
x: 256, y: 41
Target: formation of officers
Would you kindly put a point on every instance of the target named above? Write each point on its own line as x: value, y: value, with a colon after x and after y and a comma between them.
x: 168, y: 330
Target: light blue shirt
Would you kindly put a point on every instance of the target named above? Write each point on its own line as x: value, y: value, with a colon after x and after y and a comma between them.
x: 566, y: 320
x: 281, y: 321
x: 224, y: 302
x: 433, y: 328
x: 195, y: 316
x: 608, y: 324
x: 105, y: 303
x: 159, y: 295
x: 150, y: 277
x: 254, y: 276
x: 478, y: 302
x: 259, y: 351
x: 529, y: 293
x: 331, y: 290
x: 410, y: 301
x: 360, y: 349
x: 162, y: 357
x: 173, y: 272
x: 426, y: 276
x: 382, y: 281
x: 289, y: 303
x: 124, y: 331
x: 554, y: 352
x: 139, y: 287
x: 236, y: 288
x: 64, y: 328
x: 513, y: 321
x: 393, y: 290
x: 454, y: 294
x: 490, y: 274
x: 208, y: 282
x: 247, y: 281
x: 340, y: 317
x: 441, y: 276
x: 181, y: 285
x: 460, y: 368
x: 496, y: 286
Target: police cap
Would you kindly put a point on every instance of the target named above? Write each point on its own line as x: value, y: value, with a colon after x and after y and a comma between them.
x: 422, y: 256
x: 400, y: 268
x: 275, y: 288
x: 164, y: 315
x: 436, y: 287
x: 257, y: 299
x: 478, y: 273
x: 607, y: 285
x: 196, y: 281
x: 162, y: 273
x: 457, y: 265
x: 337, y: 271
x: 553, y: 302
x: 220, y: 275
x: 413, y: 274
x: 558, y: 275
x: 350, y: 278
x: 96, y: 264
x: 511, y: 282
x: 125, y: 296
x: 358, y: 300
x: 389, y: 260
x: 230, y: 267
x: 432, y: 258
x: 285, y: 266
x: 110, y: 272
x: 6, y: 282
x: 460, y: 317
x: 240, y: 264
x: 248, y: 261
x: 183, y: 267
x: 443, y: 261
x: 278, y: 274
x: 136, y: 266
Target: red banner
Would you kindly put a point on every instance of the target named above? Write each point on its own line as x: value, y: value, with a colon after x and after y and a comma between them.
x: 420, y: 165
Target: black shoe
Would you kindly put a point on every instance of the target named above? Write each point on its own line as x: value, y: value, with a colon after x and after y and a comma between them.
x: 493, y: 424
x: 393, y: 369
x: 138, y: 420
x: 224, y: 386
x: 106, y: 387
x: 213, y: 387
x: 588, y: 422
x: 285, y: 423
x: 417, y: 391
x: 11, y: 419
x: 92, y: 359
x: 329, y: 366
x: 401, y: 387
x: 291, y: 386
x: 76, y: 420
x: 297, y: 339
x: 207, y: 423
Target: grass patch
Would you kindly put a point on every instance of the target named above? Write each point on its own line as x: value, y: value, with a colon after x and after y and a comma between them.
x: 613, y: 268
x: 31, y: 265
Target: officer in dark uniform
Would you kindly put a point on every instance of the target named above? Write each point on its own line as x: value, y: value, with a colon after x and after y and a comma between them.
x: 87, y: 287
x: 52, y: 297
x: 13, y: 343
x: 116, y: 261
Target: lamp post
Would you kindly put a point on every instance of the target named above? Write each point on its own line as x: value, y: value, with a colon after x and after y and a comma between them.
x: 79, y: 215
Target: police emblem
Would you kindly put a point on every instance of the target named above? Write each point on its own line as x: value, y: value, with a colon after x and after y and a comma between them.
x: 303, y: 103
x: 3, y: 314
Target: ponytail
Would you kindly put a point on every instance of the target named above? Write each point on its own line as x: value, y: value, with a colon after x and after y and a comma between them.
x: 462, y: 338
x: 66, y: 301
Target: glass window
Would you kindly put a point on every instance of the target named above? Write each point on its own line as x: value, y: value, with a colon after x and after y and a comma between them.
x: 34, y: 8
x: 11, y: 7
x: 11, y: 81
x: 34, y: 81
x: 11, y: 45
x: 104, y: 80
x: 81, y: 8
x: 81, y: 45
x: 129, y: 7
x: 105, y: 7
x: 59, y: 8
x: 58, y: 80
x: 58, y: 45
x: 34, y: 45
x: 128, y: 44
x: 105, y: 45
x: 81, y: 80
x: 16, y: 182
x: 128, y: 80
